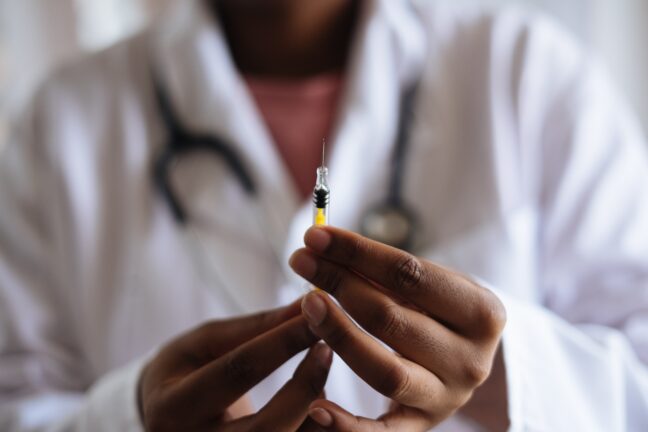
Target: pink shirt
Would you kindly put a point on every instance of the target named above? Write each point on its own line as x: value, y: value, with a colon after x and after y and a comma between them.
x: 299, y: 114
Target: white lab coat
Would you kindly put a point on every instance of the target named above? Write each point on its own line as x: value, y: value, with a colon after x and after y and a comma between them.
x: 526, y: 169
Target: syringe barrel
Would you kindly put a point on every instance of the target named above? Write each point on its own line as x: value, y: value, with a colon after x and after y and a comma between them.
x: 320, y: 216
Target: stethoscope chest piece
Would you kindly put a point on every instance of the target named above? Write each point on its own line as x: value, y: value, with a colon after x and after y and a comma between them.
x: 391, y: 224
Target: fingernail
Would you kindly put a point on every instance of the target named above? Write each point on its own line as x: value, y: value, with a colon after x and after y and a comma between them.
x: 314, y: 308
x: 323, y: 355
x: 317, y: 239
x: 304, y: 264
x: 321, y: 417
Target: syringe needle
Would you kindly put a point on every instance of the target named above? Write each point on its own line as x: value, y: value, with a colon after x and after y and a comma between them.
x: 321, y: 193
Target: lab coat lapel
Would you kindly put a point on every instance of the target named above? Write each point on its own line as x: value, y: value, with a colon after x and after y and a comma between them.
x: 196, y: 67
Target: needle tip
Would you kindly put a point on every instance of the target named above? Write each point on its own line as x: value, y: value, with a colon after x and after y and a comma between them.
x: 323, y: 150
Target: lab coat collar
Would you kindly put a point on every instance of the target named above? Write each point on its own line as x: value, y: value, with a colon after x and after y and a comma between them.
x: 192, y: 57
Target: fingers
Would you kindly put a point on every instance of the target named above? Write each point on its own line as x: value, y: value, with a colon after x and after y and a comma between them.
x: 288, y: 409
x: 450, y: 297
x: 215, y: 338
x: 415, y: 336
x: 218, y: 384
x: 309, y: 424
x: 332, y: 417
x: 393, y: 376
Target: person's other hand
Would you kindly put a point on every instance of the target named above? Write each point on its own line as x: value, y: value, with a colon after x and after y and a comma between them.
x: 195, y: 381
x: 443, y: 327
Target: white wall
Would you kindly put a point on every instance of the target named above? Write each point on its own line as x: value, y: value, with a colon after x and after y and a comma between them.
x: 619, y: 31
x: 615, y: 30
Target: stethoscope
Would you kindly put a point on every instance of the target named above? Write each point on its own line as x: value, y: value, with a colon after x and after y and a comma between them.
x: 391, y: 221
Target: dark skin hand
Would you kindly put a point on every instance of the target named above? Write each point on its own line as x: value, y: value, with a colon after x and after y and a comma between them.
x: 196, y: 382
x: 444, y: 329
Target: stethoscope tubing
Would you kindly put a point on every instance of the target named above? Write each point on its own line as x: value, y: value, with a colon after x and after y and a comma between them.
x: 181, y: 141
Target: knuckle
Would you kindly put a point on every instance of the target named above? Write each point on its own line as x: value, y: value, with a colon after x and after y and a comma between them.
x: 491, y: 316
x: 388, y: 320
x: 475, y: 371
x: 408, y: 274
x: 396, y: 382
x: 338, y: 336
x: 240, y: 368
x: 264, y: 320
x: 355, y: 249
x: 331, y: 280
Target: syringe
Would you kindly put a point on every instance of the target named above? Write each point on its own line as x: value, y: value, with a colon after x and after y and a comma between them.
x: 321, y: 194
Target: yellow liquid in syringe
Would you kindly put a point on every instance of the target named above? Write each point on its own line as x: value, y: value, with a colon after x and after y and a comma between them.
x: 320, y: 217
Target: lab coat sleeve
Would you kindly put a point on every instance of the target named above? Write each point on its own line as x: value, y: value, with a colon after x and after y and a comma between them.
x: 44, y: 383
x: 578, y: 361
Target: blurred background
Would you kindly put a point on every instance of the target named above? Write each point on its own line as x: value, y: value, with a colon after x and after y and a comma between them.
x: 36, y: 35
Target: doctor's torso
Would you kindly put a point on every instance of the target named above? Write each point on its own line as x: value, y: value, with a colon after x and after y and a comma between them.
x: 129, y: 277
